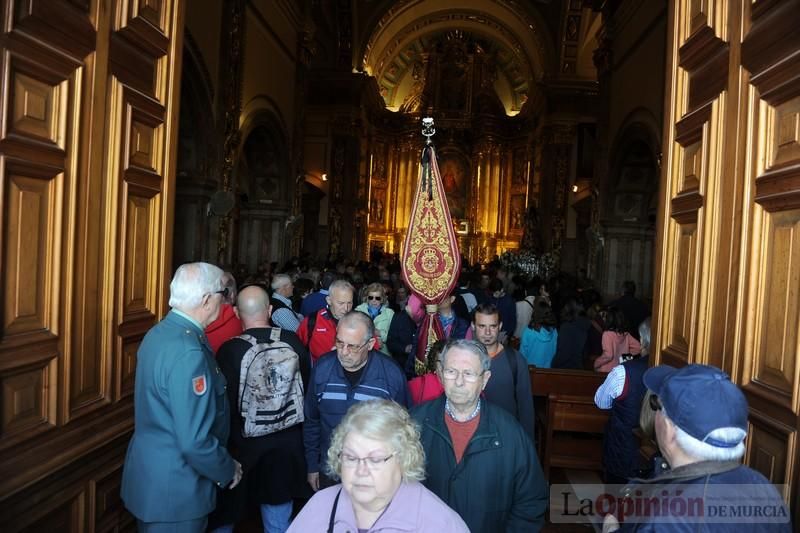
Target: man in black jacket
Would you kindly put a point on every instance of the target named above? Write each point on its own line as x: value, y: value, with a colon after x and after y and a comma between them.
x: 274, y: 464
x: 510, y: 386
x: 479, y: 460
x: 634, y: 309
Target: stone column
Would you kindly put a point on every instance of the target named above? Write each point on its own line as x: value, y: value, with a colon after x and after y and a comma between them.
x: 602, y: 60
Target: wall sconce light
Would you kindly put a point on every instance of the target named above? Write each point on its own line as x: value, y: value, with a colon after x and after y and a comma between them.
x: 574, y: 188
x: 324, y: 177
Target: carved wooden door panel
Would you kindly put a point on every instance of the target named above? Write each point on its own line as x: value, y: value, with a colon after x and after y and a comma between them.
x: 728, y: 290
x: 88, y: 129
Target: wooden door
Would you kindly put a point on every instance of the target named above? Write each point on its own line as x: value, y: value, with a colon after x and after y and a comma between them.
x: 89, y: 108
x: 728, y: 273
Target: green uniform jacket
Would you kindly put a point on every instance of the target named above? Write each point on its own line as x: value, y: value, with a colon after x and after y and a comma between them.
x: 498, y: 485
x: 177, y: 456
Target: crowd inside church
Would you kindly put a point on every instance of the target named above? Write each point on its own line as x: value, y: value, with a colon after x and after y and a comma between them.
x: 376, y: 439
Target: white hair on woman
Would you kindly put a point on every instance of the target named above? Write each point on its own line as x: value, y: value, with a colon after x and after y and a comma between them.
x: 191, y: 282
x: 707, y: 452
x: 384, y: 421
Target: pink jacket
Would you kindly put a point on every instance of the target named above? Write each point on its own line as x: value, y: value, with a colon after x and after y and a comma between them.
x: 614, y: 345
x: 413, y: 508
x: 424, y: 388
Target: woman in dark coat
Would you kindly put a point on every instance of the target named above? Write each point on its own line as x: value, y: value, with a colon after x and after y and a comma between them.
x: 572, y: 337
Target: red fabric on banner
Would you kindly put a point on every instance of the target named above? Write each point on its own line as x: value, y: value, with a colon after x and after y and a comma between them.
x: 431, y: 260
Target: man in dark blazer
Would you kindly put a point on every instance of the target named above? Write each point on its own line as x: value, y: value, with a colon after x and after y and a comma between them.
x: 177, y: 457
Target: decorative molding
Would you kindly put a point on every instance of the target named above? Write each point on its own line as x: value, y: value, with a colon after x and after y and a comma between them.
x: 769, y: 50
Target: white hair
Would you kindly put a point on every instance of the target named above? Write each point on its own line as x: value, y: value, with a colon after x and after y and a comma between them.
x: 707, y: 452
x: 280, y: 280
x: 191, y: 282
x: 341, y: 285
x: 470, y: 345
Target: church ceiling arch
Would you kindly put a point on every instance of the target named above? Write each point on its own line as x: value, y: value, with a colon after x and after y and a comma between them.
x: 518, y: 40
x: 513, y: 74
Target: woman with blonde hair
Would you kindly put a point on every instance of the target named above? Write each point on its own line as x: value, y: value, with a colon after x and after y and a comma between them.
x: 375, y: 304
x: 376, y: 452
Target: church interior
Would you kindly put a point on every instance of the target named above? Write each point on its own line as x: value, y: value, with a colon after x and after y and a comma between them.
x: 655, y: 141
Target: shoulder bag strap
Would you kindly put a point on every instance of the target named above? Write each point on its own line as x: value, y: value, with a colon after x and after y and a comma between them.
x: 312, y: 323
x: 511, y: 355
x: 333, y: 511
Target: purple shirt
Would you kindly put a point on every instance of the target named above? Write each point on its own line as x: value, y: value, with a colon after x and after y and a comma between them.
x: 413, y: 508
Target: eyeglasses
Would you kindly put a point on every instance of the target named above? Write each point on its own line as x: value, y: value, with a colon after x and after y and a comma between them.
x: 655, y: 403
x: 468, y: 375
x: 224, y: 292
x: 379, y: 298
x: 372, y: 463
x: 343, y: 346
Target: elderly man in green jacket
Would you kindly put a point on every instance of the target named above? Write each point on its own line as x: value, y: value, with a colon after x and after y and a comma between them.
x: 479, y: 460
x: 177, y: 456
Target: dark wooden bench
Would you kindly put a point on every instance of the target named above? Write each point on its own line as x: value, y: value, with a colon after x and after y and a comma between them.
x: 569, y: 425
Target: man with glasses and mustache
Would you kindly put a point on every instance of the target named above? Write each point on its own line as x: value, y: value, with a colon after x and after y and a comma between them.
x: 479, y: 459
x: 353, y: 372
x: 177, y: 457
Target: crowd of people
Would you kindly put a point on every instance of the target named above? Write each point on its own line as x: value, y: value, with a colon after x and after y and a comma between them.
x: 302, y: 384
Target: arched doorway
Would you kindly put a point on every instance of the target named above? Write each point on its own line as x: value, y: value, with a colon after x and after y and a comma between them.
x: 630, y: 211
x: 263, y: 195
x: 313, y: 239
x: 194, y: 229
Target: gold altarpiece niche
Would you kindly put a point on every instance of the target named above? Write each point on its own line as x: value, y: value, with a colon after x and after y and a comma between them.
x: 476, y: 90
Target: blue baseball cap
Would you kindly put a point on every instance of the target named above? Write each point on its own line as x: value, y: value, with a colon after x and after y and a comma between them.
x: 699, y: 399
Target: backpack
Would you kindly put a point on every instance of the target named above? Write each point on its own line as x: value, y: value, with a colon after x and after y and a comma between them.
x: 270, y: 386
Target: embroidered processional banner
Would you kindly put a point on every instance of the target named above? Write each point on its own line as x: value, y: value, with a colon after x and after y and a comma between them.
x: 431, y: 261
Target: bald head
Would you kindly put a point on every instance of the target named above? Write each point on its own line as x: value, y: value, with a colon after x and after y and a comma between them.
x: 254, y: 308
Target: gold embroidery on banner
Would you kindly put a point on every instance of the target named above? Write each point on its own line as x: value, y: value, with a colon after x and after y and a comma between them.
x: 430, y: 259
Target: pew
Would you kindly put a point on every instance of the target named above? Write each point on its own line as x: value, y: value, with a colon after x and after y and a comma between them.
x: 569, y: 426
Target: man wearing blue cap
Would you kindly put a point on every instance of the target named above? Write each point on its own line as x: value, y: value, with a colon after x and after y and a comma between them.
x: 700, y: 425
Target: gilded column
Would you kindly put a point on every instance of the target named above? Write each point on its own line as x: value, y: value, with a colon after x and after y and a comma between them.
x: 484, y: 185
x: 231, y: 102
x: 562, y: 142
x: 495, y: 192
x: 481, y: 180
x: 406, y: 183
